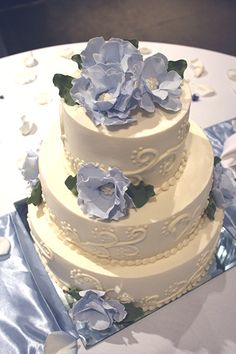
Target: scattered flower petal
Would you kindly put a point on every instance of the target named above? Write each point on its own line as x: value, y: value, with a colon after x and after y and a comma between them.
x: 43, y: 98
x: 198, y: 67
x: 26, y: 77
x: 204, y: 90
x: 67, y: 53
x: 30, y: 169
x: 5, y: 246
x: 145, y: 51
x: 28, y: 126
x: 232, y: 74
x: 29, y: 60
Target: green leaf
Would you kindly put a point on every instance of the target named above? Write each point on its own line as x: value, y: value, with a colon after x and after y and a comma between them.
x: 63, y: 82
x: 217, y: 160
x: 78, y: 60
x: 133, y: 41
x: 179, y: 66
x: 74, y: 292
x: 70, y: 183
x: 36, y: 195
x: 211, y: 208
x: 140, y: 193
x: 133, y: 313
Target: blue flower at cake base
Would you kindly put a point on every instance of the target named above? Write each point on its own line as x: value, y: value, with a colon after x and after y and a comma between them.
x: 102, y: 194
x: 158, y: 85
x: 30, y: 169
x: 224, y: 187
x: 97, y: 313
x: 106, y: 93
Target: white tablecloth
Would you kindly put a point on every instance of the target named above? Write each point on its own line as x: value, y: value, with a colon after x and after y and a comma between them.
x: 203, y: 321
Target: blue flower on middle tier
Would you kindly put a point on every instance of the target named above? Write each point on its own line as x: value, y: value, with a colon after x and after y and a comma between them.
x: 158, y: 85
x: 107, y: 93
x: 103, y: 194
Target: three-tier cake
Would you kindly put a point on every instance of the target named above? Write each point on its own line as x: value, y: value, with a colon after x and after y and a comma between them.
x: 129, y: 117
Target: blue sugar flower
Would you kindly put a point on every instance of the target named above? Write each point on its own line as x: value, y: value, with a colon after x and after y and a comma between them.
x: 30, y: 169
x: 113, y: 51
x: 157, y: 85
x: 103, y: 194
x: 97, y: 313
x: 106, y: 93
x: 224, y: 187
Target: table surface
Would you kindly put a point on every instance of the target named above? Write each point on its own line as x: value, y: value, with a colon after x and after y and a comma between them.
x: 201, y: 322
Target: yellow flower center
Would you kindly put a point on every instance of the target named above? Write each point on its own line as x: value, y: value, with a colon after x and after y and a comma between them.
x: 105, y: 96
x: 152, y: 83
x: 108, y: 189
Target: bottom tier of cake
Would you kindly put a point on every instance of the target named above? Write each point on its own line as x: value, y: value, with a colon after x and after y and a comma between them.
x: 150, y: 286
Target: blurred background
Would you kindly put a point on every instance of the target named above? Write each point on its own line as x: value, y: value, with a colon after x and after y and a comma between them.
x: 31, y: 24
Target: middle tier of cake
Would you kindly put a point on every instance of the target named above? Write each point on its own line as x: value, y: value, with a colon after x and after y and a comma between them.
x: 161, y: 227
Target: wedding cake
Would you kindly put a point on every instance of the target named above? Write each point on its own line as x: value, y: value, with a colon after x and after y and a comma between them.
x: 126, y: 180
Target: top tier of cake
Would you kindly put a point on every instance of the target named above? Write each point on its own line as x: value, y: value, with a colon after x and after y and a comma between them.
x: 150, y: 149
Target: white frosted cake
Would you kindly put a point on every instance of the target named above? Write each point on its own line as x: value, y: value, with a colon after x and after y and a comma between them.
x: 147, y: 255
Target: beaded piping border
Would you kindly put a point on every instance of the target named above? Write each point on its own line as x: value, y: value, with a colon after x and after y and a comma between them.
x: 72, y: 164
x: 148, y: 303
x: 61, y: 234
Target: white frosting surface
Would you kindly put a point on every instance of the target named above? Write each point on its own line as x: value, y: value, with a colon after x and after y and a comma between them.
x: 151, y: 285
x: 149, y: 149
x: 158, y: 226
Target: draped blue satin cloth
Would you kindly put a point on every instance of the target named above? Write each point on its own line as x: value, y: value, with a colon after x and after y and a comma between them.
x: 30, y: 308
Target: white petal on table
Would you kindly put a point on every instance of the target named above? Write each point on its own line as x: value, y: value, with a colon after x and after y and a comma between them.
x: 5, y: 246
x: 67, y: 53
x: 26, y: 77
x: 197, y: 67
x: 29, y: 60
x: 43, y: 97
x: 60, y: 343
x: 203, y: 90
x: 232, y: 74
x: 28, y: 126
